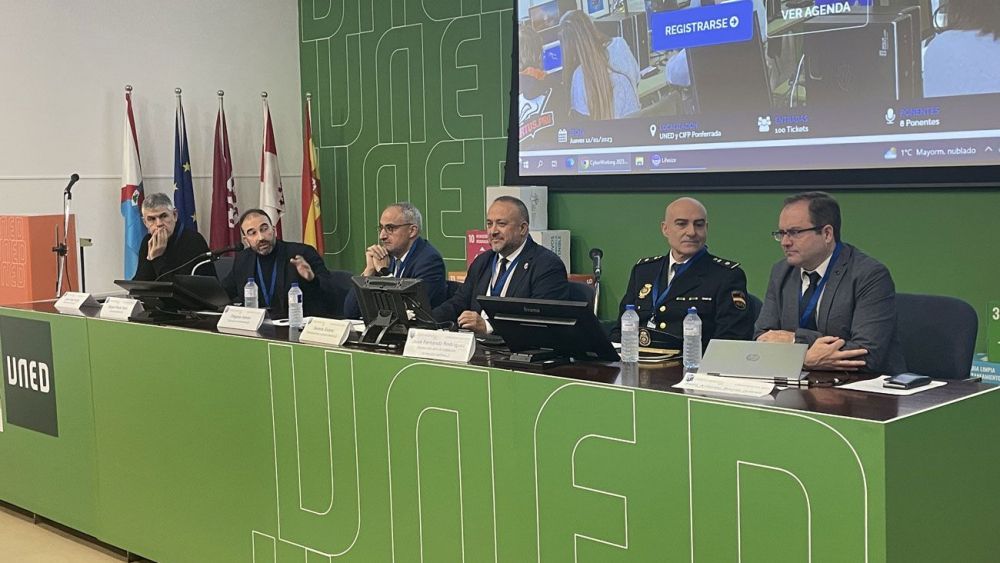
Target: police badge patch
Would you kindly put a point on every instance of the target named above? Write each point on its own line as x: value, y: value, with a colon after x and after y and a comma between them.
x: 644, y: 338
x: 740, y: 300
x: 645, y: 290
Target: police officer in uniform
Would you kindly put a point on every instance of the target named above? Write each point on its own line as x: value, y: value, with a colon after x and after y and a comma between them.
x: 663, y: 287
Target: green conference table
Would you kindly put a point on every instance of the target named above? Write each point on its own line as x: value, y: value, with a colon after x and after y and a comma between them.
x: 185, y: 445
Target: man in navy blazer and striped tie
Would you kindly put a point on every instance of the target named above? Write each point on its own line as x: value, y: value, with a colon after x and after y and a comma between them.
x: 401, y: 252
x: 516, y: 266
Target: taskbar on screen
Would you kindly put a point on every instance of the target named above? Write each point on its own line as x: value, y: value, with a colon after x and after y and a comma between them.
x: 968, y: 148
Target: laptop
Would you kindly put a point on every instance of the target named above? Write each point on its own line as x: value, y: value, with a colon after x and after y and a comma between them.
x: 755, y: 360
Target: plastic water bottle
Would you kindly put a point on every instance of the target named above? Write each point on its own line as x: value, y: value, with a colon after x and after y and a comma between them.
x: 250, y: 294
x: 692, y: 341
x: 630, y: 335
x: 295, y: 306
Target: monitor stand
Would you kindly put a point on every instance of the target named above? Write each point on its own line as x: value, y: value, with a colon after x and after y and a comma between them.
x: 163, y: 316
x: 378, y: 333
x: 537, y: 359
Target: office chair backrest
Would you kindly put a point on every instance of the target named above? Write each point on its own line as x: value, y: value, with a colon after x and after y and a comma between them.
x: 580, y: 291
x: 343, y: 284
x: 938, y: 334
x: 453, y: 287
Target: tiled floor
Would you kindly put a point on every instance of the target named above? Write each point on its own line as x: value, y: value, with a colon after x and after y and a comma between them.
x: 22, y: 541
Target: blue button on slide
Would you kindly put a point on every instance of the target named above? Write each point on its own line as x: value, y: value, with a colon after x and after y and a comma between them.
x: 730, y: 22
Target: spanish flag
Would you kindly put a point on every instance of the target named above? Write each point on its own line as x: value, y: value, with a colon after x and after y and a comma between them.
x: 312, y: 225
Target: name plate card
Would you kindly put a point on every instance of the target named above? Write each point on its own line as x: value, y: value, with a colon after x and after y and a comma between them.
x: 326, y: 332
x: 440, y: 345
x: 242, y: 319
x: 120, y: 308
x: 704, y: 383
x: 72, y: 301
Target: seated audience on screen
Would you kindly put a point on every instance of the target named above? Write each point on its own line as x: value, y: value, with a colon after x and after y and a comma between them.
x: 402, y: 253
x: 663, y: 287
x: 515, y: 266
x: 604, y: 74
x: 166, y: 247
x: 828, y: 294
x: 965, y: 59
x: 276, y: 264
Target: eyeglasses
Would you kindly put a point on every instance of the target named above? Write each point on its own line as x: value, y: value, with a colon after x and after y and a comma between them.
x: 390, y: 228
x: 794, y: 233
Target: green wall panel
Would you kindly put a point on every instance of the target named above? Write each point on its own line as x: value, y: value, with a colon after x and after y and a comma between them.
x: 55, y: 476
x: 411, y: 102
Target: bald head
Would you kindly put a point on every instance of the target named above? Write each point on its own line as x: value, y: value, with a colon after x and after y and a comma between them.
x: 685, y: 226
x: 685, y: 205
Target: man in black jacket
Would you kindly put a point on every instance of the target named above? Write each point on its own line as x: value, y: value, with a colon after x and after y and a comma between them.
x: 275, y: 265
x: 166, y: 251
x: 515, y: 266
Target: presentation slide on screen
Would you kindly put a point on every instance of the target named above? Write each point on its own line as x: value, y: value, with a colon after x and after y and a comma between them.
x: 659, y: 86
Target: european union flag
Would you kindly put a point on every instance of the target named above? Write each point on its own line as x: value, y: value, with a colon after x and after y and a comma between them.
x: 183, y: 184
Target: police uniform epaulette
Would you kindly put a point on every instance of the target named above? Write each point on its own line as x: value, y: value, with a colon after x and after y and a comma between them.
x: 648, y: 259
x: 726, y: 263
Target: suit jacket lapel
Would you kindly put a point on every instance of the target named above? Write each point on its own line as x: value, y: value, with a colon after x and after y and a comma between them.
x: 281, y: 264
x: 522, y: 269
x: 792, y: 291
x: 418, y: 245
x: 839, y: 270
x: 483, y: 283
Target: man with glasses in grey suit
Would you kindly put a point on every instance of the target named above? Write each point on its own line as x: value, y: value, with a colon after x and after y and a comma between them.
x: 828, y: 294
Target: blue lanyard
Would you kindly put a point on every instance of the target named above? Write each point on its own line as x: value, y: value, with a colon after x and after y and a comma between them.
x: 659, y: 298
x: 268, y: 293
x: 497, y: 287
x: 814, y: 300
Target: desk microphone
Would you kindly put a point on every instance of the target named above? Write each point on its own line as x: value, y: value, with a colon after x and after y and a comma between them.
x: 208, y: 256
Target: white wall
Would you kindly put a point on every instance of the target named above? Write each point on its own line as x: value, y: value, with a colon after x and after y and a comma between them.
x: 65, y: 65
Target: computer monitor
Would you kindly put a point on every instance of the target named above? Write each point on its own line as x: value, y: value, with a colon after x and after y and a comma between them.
x: 543, y: 332
x: 595, y: 8
x: 390, y: 306
x: 552, y: 57
x: 730, y: 77
x: 545, y: 15
x: 181, y: 297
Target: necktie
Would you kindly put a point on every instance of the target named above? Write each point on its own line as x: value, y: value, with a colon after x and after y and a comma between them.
x: 503, y: 268
x: 807, y: 297
x: 673, y: 271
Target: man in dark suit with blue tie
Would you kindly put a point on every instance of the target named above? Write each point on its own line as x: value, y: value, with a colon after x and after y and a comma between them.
x: 401, y: 252
x: 516, y: 266
x: 828, y: 294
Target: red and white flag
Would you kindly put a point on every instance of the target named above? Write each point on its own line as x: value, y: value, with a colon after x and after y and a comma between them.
x: 272, y: 199
x: 312, y: 225
x: 225, y: 212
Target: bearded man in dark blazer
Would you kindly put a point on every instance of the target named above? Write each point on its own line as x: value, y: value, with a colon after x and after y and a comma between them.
x: 515, y: 266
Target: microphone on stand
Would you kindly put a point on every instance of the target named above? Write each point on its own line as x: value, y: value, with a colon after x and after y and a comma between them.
x: 62, y: 247
x: 72, y: 180
x: 596, y: 254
